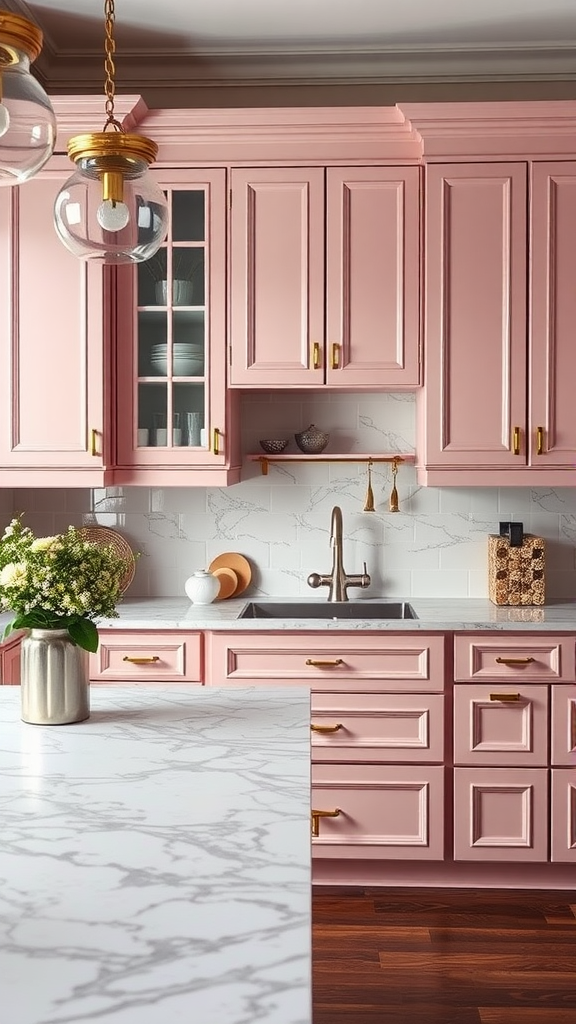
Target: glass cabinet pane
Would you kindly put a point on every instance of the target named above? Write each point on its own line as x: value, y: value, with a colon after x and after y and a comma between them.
x: 172, y: 330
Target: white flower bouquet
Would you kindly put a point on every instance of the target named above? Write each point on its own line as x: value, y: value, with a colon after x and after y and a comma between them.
x: 60, y: 582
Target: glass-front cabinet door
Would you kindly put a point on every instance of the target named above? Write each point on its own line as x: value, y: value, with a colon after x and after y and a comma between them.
x: 171, y: 359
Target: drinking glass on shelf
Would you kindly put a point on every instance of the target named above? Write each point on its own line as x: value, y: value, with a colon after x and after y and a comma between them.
x: 176, y: 429
x: 160, y: 430
x: 193, y: 425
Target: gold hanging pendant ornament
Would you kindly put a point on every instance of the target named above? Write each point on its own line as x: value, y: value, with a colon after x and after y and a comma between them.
x: 111, y: 210
x: 369, y: 500
x: 394, y: 492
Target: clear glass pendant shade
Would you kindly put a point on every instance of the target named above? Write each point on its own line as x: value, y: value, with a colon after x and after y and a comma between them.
x: 101, y: 229
x: 27, y: 123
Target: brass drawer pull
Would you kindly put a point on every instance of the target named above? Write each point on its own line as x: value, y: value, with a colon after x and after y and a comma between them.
x: 94, y: 442
x: 216, y: 435
x: 326, y: 728
x: 315, y: 356
x: 316, y: 815
x: 516, y: 441
x: 539, y: 440
x: 505, y: 696
x: 335, y: 357
x: 325, y: 664
x: 141, y: 661
x: 514, y: 661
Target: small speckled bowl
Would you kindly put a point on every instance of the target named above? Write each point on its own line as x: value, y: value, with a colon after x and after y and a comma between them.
x: 312, y: 441
x: 273, y: 447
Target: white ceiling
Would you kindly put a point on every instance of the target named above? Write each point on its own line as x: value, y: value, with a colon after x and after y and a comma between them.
x: 259, y: 40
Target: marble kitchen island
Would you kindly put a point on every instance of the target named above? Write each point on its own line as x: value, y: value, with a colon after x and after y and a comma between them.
x: 155, y: 859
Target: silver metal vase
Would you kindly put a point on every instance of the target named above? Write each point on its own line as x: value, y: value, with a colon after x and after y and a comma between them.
x: 55, y: 687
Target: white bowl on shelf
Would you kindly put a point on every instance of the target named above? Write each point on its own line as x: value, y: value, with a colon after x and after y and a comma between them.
x: 182, y: 366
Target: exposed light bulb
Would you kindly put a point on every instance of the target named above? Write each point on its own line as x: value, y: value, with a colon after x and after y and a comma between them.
x: 112, y: 216
x: 4, y: 120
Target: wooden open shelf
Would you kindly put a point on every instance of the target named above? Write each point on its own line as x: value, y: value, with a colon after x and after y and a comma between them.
x: 396, y: 457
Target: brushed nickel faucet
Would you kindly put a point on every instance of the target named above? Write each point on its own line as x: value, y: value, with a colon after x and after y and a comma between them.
x: 338, y: 580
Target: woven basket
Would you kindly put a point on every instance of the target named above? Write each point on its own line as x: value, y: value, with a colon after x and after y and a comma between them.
x: 516, y: 575
x: 107, y: 537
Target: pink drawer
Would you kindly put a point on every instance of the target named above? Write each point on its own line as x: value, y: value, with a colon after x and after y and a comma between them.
x: 147, y: 657
x: 377, y: 727
x: 514, y: 658
x: 365, y: 661
x: 564, y: 725
x: 501, y: 725
x: 378, y: 811
x: 501, y: 814
x: 563, y: 815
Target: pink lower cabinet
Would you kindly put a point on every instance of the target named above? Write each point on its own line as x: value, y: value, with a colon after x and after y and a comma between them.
x: 496, y: 724
x: 10, y: 662
x: 377, y: 727
x: 563, y: 832
x: 501, y: 814
x: 138, y: 656
x: 564, y: 725
x: 367, y: 811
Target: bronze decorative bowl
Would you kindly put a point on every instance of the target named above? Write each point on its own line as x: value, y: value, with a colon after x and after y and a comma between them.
x: 273, y: 447
x: 312, y: 441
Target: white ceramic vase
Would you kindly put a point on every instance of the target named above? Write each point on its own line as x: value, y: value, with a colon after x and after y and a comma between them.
x: 202, y: 587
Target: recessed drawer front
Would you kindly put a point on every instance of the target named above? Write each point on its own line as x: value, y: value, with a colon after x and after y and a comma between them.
x: 368, y: 662
x: 564, y: 725
x: 377, y: 727
x: 500, y: 725
x: 378, y: 812
x: 501, y: 815
x: 146, y: 657
x: 514, y: 658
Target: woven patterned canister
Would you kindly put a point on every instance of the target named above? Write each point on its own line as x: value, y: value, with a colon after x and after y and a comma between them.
x: 516, y: 575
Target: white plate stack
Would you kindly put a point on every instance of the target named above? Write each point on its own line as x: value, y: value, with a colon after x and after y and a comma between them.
x: 187, y: 359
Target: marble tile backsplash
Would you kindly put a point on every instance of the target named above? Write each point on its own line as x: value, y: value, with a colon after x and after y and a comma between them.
x: 435, y: 546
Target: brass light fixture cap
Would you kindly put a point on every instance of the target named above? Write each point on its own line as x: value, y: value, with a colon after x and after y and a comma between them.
x: 18, y: 34
x: 121, y: 146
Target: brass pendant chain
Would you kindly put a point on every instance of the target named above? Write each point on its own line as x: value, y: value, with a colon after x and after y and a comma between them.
x: 109, y: 66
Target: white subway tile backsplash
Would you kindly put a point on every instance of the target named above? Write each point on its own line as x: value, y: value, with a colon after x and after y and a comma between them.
x: 434, y: 546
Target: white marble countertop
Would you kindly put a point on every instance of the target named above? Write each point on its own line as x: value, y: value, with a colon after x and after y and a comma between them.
x: 155, y: 859
x: 433, y: 614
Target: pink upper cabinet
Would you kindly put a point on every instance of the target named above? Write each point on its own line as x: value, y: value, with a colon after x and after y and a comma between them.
x: 325, y: 277
x: 52, y: 312
x: 474, y: 408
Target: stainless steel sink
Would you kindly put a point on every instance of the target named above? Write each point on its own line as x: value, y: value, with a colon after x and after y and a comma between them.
x: 328, y: 610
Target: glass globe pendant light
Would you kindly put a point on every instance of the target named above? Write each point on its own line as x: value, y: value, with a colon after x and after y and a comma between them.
x: 27, y: 120
x: 111, y: 210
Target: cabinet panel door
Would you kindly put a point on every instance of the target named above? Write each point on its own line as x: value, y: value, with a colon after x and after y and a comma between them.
x: 564, y: 725
x: 513, y: 659
x: 475, y: 328
x: 377, y: 727
x: 372, y: 276
x: 10, y: 664
x: 563, y: 828
x: 51, y: 357
x: 552, y: 348
x: 384, y: 811
x: 277, y: 277
x: 501, y: 725
x: 501, y: 814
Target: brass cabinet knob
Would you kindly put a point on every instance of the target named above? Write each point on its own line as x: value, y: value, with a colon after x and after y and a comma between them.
x: 316, y: 815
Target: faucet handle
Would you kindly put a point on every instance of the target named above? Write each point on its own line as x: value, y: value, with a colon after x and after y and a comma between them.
x: 366, y: 580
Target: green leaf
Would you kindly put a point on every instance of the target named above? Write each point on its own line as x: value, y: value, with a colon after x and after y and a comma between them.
x: 8, y: 629
x: 84, y: 633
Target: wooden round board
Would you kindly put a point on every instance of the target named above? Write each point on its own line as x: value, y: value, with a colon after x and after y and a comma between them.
x: 228, y: 581
x: 107, y: 537
x: 239, y: 565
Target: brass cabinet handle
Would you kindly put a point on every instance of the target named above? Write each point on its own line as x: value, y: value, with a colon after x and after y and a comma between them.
x: 539, y: 440
x: 141, y: 661
x: 316, y: 356
x: 94, y: 442
x: 316, y: 815
x: 326, y: 728
x: 216, y: 441
x: 514, y: 661
x: 335, y: 363
x: 505, y: 696
x: 516, y: 441
x: 325, y: 664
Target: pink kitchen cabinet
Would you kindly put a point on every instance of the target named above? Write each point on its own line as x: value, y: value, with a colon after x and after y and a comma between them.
x: 139, y: 656
x: 563, y: 740
x: 10, y: 662
x: 501, y: 814
x: 325, y: 277
x: 174, y: 412
x: 563, y: 830
x: 500, y: 725
x: 53, y: 396
x: 497, y: 406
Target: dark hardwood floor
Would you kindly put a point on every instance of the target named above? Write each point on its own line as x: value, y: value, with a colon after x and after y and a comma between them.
x: 443, y: 956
